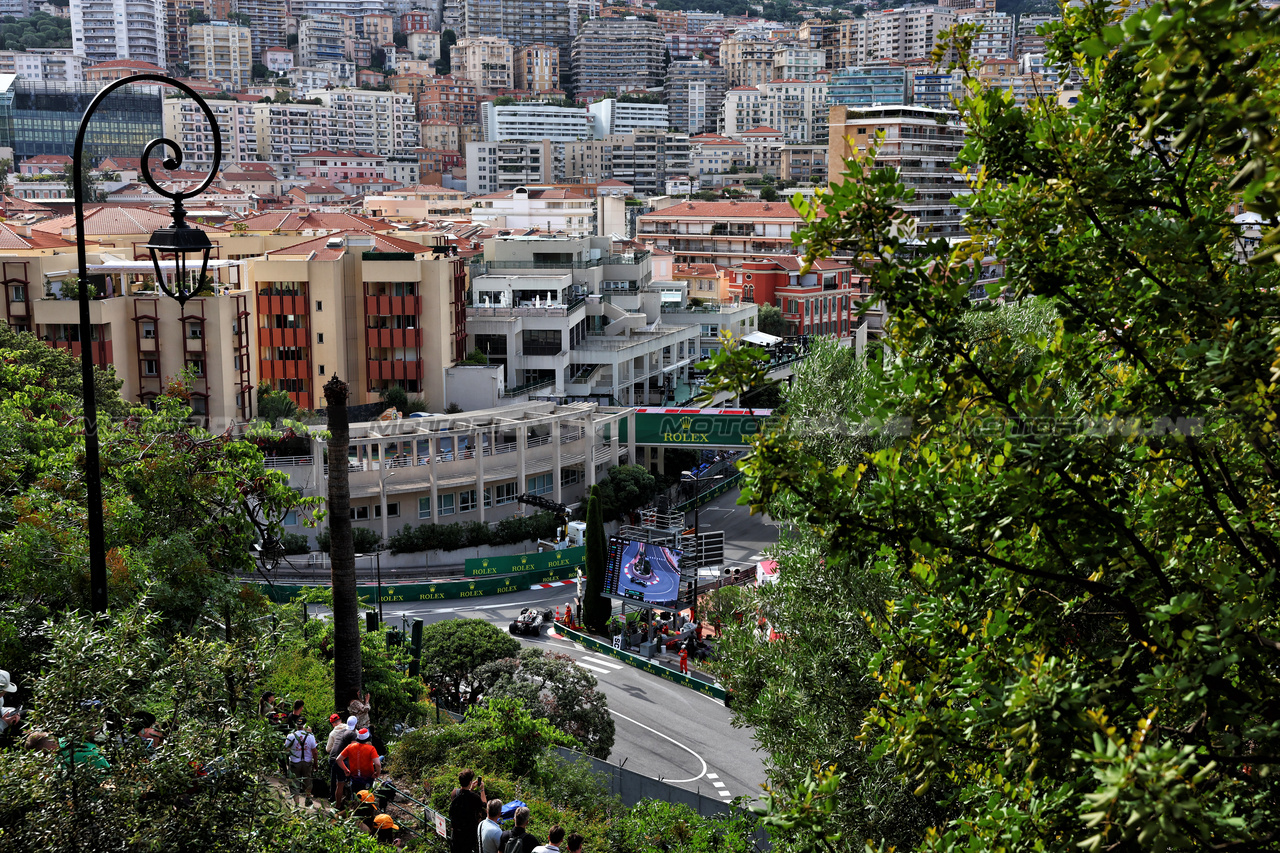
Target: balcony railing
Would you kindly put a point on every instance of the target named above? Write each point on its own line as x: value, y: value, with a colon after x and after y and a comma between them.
x: 527, y: 387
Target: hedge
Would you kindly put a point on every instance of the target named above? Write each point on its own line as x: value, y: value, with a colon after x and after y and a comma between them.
x: 472, y: 534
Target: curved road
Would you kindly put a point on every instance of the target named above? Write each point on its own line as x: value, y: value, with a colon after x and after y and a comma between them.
x: 663, y: 730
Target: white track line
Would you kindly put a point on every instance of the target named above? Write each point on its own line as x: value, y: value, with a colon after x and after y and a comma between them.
x: 610, y: 662
x: 673, y: 740
x: 598, y: 669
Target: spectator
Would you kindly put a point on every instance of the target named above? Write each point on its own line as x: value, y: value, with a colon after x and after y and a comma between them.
x: 490, y: 833
x: 297, y: 714
x: 573, y: 844
x: 365, y: 809
x: 554, y: 837
x: 301, y: 745
x: 42, y: 740
x: 334, y: 746
x: 267, y: 705
x: 519, y: 839
x: 384, y: 830
x: 360, y: 762
x: 360, y: 710
x: 465, y: 811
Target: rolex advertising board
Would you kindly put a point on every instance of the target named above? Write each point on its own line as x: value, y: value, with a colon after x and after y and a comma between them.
x: 697, y: 427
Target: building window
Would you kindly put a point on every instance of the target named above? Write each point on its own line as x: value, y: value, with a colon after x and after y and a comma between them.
x: 504, y: 494
x: 195, y: 330
x: 445, y: 504
x: 540, y: 485
x: 322, y: 370
x: 18, y: 293
x: 569, y: 476
x: 148, y: 330
x: 150, y: 367
x: 359, y: 513
x: 290, y: 519
x: 393, y: 510
x: 424, y: 507
x: 319, y: 305
x: 467, y: 500
x: 196, y: 365
x: 319, y: 337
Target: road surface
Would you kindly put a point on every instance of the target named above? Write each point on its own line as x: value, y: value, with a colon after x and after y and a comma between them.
x: 663, y: 730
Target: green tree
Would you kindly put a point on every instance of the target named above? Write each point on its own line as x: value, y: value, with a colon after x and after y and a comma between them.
x: 595, y: 607
x: 770, y: 320
x: 453, y: 652
x: 396, y: 397
x: 768, y: 193
x: 348, y: 674
x: 447, y: 40
x: 551, y: 686
x: 363, y: 539
x: 1052, y: 574
x: 59, y: 369
x: 275, y: 406
x: 626, y: 489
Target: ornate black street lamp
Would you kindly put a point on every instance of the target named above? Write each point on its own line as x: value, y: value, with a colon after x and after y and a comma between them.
x: 177, y: 241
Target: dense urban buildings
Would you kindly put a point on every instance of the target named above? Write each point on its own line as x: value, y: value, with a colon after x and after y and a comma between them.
x: 613, y: 55
x: 103, y: 30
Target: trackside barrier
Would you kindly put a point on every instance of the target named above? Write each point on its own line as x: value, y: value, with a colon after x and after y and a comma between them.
x: 710, y: 494
x: 440, y: 590
x: 715, y: 691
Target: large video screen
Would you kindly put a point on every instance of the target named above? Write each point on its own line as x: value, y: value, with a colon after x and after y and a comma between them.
x: 642, y: 571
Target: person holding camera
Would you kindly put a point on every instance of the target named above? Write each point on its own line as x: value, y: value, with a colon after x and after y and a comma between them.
x: 465, y: 812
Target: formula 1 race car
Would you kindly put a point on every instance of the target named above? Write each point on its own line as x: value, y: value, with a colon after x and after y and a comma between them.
x: 529, y: 622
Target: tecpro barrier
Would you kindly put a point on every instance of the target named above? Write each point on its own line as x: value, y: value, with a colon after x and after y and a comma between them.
x: 715, y: 691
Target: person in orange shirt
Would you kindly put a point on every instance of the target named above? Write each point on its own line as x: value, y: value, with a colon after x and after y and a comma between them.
x: 360, y: 761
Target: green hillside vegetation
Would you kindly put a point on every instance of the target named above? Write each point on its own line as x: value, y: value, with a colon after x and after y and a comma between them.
x: 39, y: 30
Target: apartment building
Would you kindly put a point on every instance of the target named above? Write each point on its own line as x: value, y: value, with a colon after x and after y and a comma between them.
x: 804, y: 163
x: 694, y: 92
x: 103, y: 30
x: 147, y: 336
x: 502, y: 166
x: 449, y: 99
x: 418, y: 203
x: 922, y: 144
x: 647, y: 159
x: 340, y: 166
x: 488, y: 62
x: 995, y: 41
x: 423, y: 45
x: 576, y: 318
x: 278, y: 59
x: 438, y: 135
x: 220, y: 51
x: 354, y: 8
x: 930, y: 87
x: 270, y: 22
x: 720, y: 232
x: 43, y: 117
x: 795, y: 108
x: 286, y: 131
x: 824, y: 300
x: 177, y: 20
x: 898, y: 35
x: 185, y: 123
x: 522, y: 22
x: 796, y: 62
x: 54, y: 65
x: 468, y: 467
x: 747, y: 59
x: 534, y: 120
x: 712, y: 156
x: 1026, y: 39
x: 618, y: 55
x: 376, y: 310
x: 612, y: 116
x: 537, y: 68
x: 322, y: 39
x: 700, y: 45
x: 381, y: 123
x: 555, y: 210
x: 871, y: 84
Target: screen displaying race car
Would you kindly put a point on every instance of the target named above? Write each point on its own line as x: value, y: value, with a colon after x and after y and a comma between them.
x: 643, y: 571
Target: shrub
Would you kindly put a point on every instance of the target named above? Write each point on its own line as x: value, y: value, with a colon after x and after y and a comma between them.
x: 471, y: 534
x: 366, y: 541
x: 295, y: 543
x: 295, y: 674
x: 652, y: 826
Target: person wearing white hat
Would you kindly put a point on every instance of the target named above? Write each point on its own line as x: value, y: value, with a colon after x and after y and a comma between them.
x: 360, y: 762
x: 10, y: 718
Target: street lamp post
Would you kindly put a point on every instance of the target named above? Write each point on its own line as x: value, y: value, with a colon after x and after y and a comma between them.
x: 377, y: 562
x: 178, y: 240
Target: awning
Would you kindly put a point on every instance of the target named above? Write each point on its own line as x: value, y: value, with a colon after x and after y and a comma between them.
x: 761, y: 339
x: 678, y: 365
x: 672, y: 296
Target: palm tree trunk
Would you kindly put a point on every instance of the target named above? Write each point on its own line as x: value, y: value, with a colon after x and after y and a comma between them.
x: 347, y: 674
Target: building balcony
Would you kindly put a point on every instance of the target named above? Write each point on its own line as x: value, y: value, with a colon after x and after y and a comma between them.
x: 282, y: 304
x: 102, y: 352
x: 392, y: 306
x: 268, y: 337
x: 398, y: 371
x: 394, y: 338
x: 296, y: 369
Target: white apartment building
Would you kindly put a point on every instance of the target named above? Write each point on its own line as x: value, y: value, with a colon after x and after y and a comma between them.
x: 796, y: 108
x: 278, y: 59
x: 793, y: 62
x: 185, y: 123
x: 535, y: 121
x: 220, y: 51
x: 103, y: 30
x: 355, y: 8
x: 612, y: 117
x: 551, y: 209
x: 424, y: 45
x: 488, y: 62
x: 539, y: 309
x: 382, y: 123
x: 996, y: 39
x: 899, y: 35
x: 287, y: 131
x: 747, y: 59
x: 322, y: 39
x: 500, y: 166
x: 54, y: 65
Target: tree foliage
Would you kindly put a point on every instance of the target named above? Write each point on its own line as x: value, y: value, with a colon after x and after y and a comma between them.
x: 626, y: 489
x: 1052, y: 566
x: 551, y: 686
x: 454, y: 650
x: 770, y: 321
x: 595, y: 607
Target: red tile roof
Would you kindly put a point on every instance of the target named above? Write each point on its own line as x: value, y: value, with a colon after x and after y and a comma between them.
x: 320, y: 245
x: 114, y: 219
x: 762, y: 131
x: 10, y: 239
x: 126, y: 63
x: 324, y: 152
x: 725, y: 210
x: 286, y: 221
x: 47, y: 159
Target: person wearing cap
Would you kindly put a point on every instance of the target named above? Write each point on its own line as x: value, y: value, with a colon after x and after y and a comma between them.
x: 360, y: 761
x: 366, y: 808
x: 384, y: 830
x: 333, y: 746
x: 10, y: 718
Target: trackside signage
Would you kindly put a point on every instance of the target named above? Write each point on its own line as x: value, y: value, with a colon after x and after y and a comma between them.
x: 715, y: 691
x: 569, y: 558
x: 441, y: 590
x: 731, y: 428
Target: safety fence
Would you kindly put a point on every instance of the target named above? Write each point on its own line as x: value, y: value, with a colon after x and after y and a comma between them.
x: 442, y: 590
x: 715, y: 691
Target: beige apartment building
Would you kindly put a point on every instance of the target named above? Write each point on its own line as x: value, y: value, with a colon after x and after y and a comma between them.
x: 538, y: 67
x: 720, y: 232
x: 487, y: 61
x: 376, y: 310
x: 222, y: 52
x: 747, y: 60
